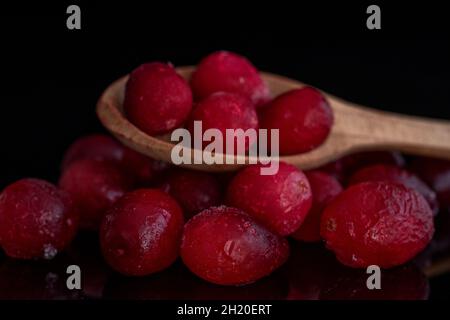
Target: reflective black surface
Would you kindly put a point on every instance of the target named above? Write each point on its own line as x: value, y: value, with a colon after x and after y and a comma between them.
x: 52, y: 78
x: 311, y: 273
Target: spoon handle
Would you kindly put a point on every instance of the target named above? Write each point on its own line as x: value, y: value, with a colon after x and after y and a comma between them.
x: 370, y: 128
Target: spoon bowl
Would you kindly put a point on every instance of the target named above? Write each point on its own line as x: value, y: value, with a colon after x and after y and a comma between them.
x: 356, y: 128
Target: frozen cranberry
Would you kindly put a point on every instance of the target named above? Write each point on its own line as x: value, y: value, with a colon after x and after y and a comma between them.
x: 384, y: 172
x: 229, y: 72
x: 336, y: 169
x: 103, y: 147
x: 223, y: 111
x: 144, y: 170
x: 157, y: 99
x: 194, y: 190
x: 303, y: 117
x: 36, y: 219
x: 94, y: 185
x: 225, y: 246
x: 141, y: 233
x: 280, y: 201
x: 324, y: 189
x: 436, y: 173
x: 344, y: 167
x: 380, y: 223
x: 358, y: 160
x: 95, y: 146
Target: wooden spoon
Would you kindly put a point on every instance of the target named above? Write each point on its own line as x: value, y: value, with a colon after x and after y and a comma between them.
x: 356, y: 128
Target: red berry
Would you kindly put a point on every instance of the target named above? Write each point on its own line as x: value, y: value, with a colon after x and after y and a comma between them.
x: 223, y: 111
x: 103, y: 147
x: 229, y: 72
x: 280, y: 201
x: 95, y: 146
x: 225, y: 246
x: 384, y: 172
x: 94, y: 185
x: 304, y: 118
x: 358, y: 160
x: 194, y: 190
x: 324, y: 189
x: 141, y: 233
x: 344, y: 167
x: 336, y: 169
x: 381, y: 223
x: 157, y: 99
x: 436, y: 173
x: 36, y: 219
x: 144, y: 170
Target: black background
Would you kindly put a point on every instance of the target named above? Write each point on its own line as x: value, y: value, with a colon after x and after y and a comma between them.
x: 52, y: 77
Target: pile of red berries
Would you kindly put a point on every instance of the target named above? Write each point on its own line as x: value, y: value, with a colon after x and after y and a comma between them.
x: 367, y: 208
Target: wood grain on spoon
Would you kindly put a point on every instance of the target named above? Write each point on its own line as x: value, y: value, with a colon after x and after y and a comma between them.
x: 356, y: 128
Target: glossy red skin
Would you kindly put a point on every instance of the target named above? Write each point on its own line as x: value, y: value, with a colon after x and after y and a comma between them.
x: 384, y: 172
x: 94, y: 146
x: 36, y: 219
x: 280, y: 201
x: 358, y: 160
x: 144, y: 170
x: 141, y: 233
x: 223, y: 111
x: 195, y: 191
x: 225, y: 246
x: 436, y: 173
x: 346, y: 166
x: 229, y: 72
x: 157, y: 99
x: 103, y: 147
x: 324, y: 189
x: 304, y: 118
x: 334, y: 168
x: 381, y: 223
x: 94, y: 185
